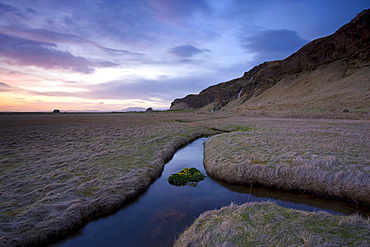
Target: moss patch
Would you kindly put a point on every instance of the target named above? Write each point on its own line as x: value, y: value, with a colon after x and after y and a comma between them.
x: 187, y: 176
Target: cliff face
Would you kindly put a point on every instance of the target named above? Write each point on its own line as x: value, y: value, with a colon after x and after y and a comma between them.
x: 349, y: 48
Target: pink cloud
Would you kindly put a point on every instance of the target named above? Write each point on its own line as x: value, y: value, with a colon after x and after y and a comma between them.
x: 42, y: 54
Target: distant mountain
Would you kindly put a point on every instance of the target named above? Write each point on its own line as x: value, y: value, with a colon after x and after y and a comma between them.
x: 330, y: 74
x: 130, y: 109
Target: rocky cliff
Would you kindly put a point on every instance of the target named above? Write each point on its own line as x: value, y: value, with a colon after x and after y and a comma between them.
x: 329, y: 61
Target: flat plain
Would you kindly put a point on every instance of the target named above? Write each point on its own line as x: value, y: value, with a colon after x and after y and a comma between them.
x: 329, y: 158
x: 59, y: 171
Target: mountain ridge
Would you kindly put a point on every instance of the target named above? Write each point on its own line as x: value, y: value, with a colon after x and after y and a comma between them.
x: 347, y: 50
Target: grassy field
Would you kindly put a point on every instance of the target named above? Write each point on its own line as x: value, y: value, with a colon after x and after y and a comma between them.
x: 329, y: 158
x: 266, y: 224
x: 59, y: 171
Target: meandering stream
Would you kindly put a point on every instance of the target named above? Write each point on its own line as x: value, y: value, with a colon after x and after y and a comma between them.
x: 163, y: 211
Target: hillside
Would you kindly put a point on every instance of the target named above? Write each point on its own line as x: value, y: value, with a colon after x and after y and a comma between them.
x: 330, y: 75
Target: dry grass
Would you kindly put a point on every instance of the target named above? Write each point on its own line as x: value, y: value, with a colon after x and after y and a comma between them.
x: 329, y: 158
x: 324, y: 92
x: 266, y: 224
x: 59, y: 171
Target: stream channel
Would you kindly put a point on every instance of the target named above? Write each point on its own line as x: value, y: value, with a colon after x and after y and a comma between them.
x: 161, y: 213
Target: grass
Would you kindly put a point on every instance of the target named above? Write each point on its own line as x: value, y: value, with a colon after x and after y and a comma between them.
x: 267, y: 224
x: 325, y: 158
x: 59, y: 171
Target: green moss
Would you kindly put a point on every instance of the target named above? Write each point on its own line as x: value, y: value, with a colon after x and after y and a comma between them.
x: 187, y: 176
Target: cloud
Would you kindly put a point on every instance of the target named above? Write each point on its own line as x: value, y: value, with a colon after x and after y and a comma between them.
x: 5, y: 87
x: 149, y: 38
x: 163, y: 89
x: 273, y: 44
x: 5, y: 8
x: 138, y: 88
x: 179, y: 9
x: 123, y: 23
x: 49, y: 36
x: 187, y: 51
x: 104, y: 24
x: 28, y: 52
x: 9, y: 12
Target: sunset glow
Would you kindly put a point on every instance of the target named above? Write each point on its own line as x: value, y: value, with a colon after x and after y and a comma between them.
x: 112, y: 55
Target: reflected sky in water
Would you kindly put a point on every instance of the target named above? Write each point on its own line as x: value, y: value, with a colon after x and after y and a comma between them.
x: 164, y: 211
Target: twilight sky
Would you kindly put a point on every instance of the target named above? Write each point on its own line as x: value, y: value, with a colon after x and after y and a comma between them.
x: 110, y: 55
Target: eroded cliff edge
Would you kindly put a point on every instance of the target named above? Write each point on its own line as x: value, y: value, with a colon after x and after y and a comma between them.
x: 328, y: 68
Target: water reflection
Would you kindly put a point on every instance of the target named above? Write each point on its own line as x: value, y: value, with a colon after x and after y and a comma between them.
x: 163, y: 211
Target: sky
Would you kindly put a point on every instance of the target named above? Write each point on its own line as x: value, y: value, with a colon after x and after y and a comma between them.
x: 117, y: 55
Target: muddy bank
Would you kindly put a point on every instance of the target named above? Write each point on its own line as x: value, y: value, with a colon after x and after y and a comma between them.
x: 322, y: 157
x: 60, y: 171
x: 267, y: 224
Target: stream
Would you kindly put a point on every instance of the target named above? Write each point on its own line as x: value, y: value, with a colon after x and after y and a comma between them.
x: 160, y: 214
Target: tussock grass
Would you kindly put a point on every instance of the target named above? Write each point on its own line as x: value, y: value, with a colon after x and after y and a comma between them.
x: 266, y: 224
x: 59, y: 171
x: 321, y: 157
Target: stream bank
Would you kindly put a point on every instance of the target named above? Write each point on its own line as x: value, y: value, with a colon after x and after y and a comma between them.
x: 161, y: 213
x: 322, y: 158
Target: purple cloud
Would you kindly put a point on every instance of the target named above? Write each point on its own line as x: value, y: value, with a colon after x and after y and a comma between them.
x: 45, y: 55
x: 187, y: 51
x: 4, y: 87
x: 273, y: 44
x: 138, y: 88
x: 48, y: 36
x: 9, y: 12
x: 177, y: 9
x: 168, y: 36
x: 5, y: 8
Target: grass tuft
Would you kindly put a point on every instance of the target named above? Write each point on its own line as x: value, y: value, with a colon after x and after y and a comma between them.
x: 328, y: 159
x: 267, y: 224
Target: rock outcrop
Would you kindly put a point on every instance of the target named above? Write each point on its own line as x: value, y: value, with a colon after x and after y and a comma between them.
x: 349, y: 48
